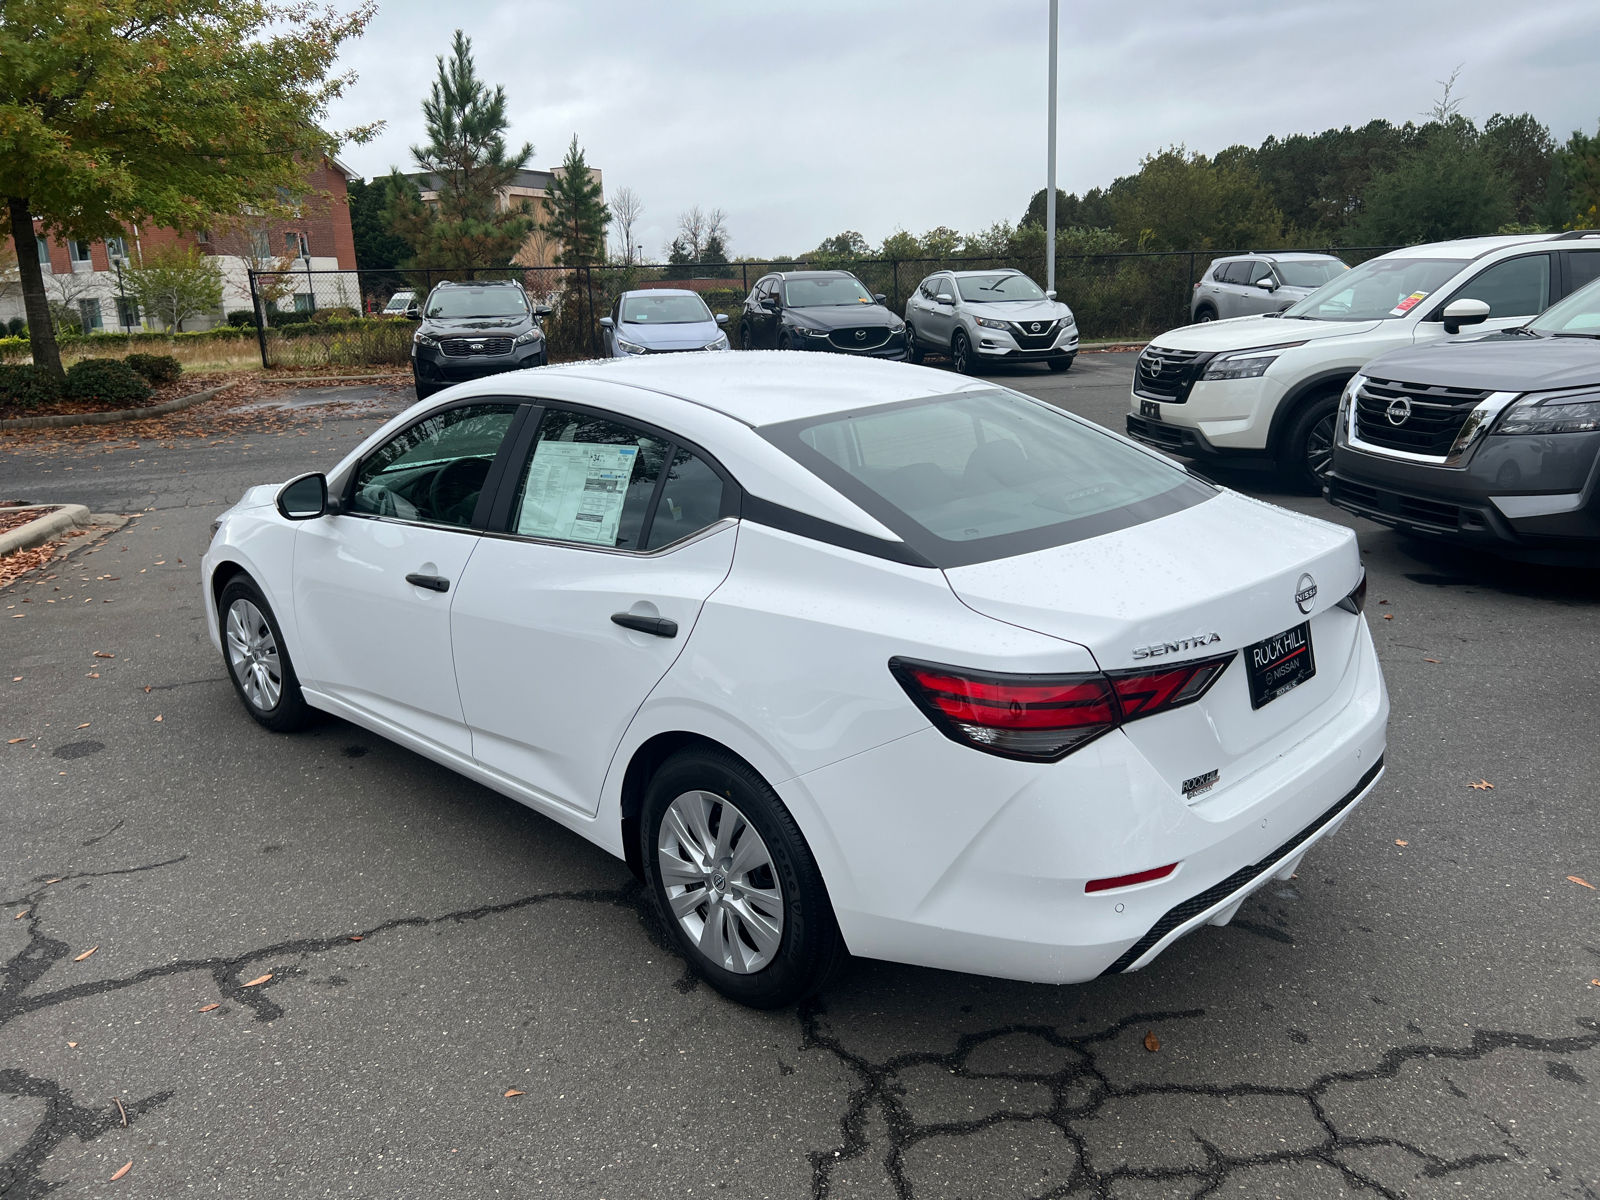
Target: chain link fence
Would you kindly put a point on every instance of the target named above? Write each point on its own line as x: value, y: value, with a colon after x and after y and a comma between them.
x: 307, y: 318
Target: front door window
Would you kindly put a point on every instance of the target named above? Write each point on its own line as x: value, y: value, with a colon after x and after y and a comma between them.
x: 434, y: 471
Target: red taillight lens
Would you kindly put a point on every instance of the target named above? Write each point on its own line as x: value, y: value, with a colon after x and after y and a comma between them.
x: 1040, y: 718
x: 1144, y: 691
x: 1118, y: 881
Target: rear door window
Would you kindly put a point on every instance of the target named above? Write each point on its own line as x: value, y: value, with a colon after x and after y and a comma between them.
x: 1583, y: 268
x: 986, y: 474
x: 1518, y: 287
x: 588, y: 480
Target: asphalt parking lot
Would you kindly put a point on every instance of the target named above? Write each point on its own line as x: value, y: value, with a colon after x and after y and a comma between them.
x: 322, y: 965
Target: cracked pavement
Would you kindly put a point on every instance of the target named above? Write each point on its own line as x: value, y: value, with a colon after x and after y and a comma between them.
x: 1402, y: 1020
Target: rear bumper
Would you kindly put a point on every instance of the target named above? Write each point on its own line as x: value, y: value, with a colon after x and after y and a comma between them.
x: 965, y: 862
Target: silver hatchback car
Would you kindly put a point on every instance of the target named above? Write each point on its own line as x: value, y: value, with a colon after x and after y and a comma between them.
x: 1246, y: 285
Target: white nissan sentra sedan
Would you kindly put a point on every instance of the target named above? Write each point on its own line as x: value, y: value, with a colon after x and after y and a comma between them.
x: 839, y: 655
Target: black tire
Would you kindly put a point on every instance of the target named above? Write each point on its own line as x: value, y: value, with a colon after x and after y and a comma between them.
x: 1306, y: 455
x: 746, y: 342
x: 1062, y: 364
x: 1204, y: 314
x: 914, y: 352
x: 784, y: 343
x: 961, y: 356
x: 423, y: 389
x: 289, y: 711
x: 810, y: 950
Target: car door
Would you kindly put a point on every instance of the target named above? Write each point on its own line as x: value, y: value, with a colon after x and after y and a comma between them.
x: 373, y: 583
x: 1513, y: 288
x: 1256, y: 299
x: 1231, y: 293
x: 941, y: 318
x: 558, y: 622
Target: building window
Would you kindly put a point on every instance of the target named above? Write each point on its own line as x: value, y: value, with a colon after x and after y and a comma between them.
x: 44, y: 253
x: 78, y: 252
x: 296, y: 246
x: 260, y: 244
x: 89, y: 314
x: 203, y: 236
x: 302, y: 302
x: 127, y: 313
x: 117, y: 249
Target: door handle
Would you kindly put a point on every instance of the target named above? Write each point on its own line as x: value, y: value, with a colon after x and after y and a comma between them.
x: 658, y: 626
x: 434, y: 583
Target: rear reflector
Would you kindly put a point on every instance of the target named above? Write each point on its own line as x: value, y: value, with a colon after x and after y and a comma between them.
x: 1120, y: 881
x: 1043, y: 718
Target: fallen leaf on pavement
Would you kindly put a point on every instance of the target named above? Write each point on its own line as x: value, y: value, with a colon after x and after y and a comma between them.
x: 1583, y: 883
x: 14, y: 741
x: 1151, y: 1042
x: 121, y: 1110
x: 147, y: 687
x: 1433, y: 660
x: 92, y: 675
x: 355, y: 937
x: 1388, y: 616
x: 73, y: 1045
x: 1398, y: 842
x: 260, y: 979
x: 122, y: 1170
x: 103, y: 654
x: 85, y: 725
x: 1483, y: 785
x: 16, y: 679
x: 22, y: 914
x: 512, y: 1092
x: 48, y: 882
x: 208, y: 1007
x: 86, y: 953
x: 158, y: 716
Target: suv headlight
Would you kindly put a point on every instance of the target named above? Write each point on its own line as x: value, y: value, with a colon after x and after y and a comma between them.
x: 424, y: 339
x: 1246, y: 364
x: 720, y: 344
x: 1575, y: 412
x: 527, y: 339
x: 989, y: 322
x: 809, y: 332
x: 628, y: 347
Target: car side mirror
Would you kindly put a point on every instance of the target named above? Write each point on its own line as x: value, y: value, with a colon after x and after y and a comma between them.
x: 879, y: 297
x: 1269, y: 284
x: 304, y: 497
x: 414, y: 313
x: 722, y: 318
x: 1464, y: 312
x: 1050, y: 295
x: 769, y: 302
x: 542, y: 310
x: 607, y: 323
x: 946, y: 298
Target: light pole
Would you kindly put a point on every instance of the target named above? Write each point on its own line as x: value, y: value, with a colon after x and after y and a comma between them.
x: 1050, y: 170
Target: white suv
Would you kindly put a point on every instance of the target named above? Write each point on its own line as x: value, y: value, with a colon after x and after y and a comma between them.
x: 1267, y: 388
x: 989, y: 316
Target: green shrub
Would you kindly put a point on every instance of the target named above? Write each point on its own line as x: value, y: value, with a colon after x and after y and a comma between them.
x: 105, y: 379
x: 241, y: 318
x: 23, y: 386
x: 17, y: 327
x: 156, y: 368
x: 335, y: 313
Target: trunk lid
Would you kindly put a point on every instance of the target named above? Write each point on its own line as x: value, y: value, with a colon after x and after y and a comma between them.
x: 1220, y: 576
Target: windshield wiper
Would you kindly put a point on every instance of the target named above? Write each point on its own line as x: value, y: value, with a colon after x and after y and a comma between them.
x: 1521, y: 331
x: 1575, y: 335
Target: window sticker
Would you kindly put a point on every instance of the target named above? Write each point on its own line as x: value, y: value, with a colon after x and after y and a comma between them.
x: 1406, y: 305
x: 576, y: 490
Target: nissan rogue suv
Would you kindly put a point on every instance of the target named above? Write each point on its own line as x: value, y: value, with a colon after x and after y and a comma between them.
x: 979, y: 317
x: 1265, y: 389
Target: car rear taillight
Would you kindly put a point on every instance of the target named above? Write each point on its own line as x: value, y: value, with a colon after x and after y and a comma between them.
x: 1043, y: 718
x: 1356, y: 601
x: 1122, y: 881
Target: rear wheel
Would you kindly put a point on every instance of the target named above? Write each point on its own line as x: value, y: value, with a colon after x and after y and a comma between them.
x: 1203, y: 314
x: 784, y: 343
x: 746, y: 342
x: 914, y: 352
x: 1307, y: 452
x: 735, y: 883
x: 258, y: 662
x: 961, y: 356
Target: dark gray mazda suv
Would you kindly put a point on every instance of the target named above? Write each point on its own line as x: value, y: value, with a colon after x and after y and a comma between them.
x: 474, y: 328
x: 1492, y: 441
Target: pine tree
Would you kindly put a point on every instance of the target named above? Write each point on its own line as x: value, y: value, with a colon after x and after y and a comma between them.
x: 578, y: 215
x: 467, y: 157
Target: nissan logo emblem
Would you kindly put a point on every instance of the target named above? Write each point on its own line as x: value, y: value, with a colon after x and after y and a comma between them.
x: 1305, y: 593
x: 1399, y: 411
x: 1155, y: 365
x: 1034, y: 327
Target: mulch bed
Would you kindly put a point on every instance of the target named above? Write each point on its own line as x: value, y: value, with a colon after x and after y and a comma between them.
x: 188, y: 385
x: 13, y: 519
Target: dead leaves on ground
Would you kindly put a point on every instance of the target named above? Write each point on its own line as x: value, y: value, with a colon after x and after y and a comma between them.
x: 122, y: 1170
x: 1483, y: 785
x: 209, y: 1007
x: 258, y: 981
x: 512, y: 1092
x: 1582, y: 883
x: 1398, y: 842
x: 86, y: 953
x: 1151, y: 1042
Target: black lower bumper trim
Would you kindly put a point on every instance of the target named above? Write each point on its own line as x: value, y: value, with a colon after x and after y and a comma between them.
x: 1195, y: 905
x: 1180, y: 439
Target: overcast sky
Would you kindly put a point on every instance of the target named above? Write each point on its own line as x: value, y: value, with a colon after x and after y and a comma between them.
x: 802, y: 120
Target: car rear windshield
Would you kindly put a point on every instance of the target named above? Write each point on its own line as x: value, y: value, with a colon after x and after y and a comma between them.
x: 986, y: 474
x: 462, y: 302
x: 664, y: 310
x: 997, y: 289
x: 815, y: 293
x: 1377, y: 290
x: 1309, y: 274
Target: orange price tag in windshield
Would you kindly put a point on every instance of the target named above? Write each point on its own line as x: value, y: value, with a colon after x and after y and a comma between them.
x: 1406, y: 305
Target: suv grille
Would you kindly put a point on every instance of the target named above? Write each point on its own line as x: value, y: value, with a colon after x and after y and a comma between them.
x: 1413, y: 417
x: 463, y: 347
x: 869, y: 337
x: 1168, y: 375
x: 1034, y: 335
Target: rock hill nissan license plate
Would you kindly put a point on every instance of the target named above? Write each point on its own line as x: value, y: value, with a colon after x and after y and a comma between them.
x: 1279, y: 664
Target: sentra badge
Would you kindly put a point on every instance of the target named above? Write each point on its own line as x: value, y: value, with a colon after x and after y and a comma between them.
x: 1162, y: 649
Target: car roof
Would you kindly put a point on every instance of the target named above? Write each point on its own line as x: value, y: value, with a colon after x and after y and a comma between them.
x: 1472, y: 247
x: 1282, y: 256
x: 477, y: 283
x: 990, y: 271
x: 837, y: 274
x: 660, y: 292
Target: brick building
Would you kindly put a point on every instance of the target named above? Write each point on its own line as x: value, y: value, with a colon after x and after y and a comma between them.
x: 86, y: 276
x: 530, y: 187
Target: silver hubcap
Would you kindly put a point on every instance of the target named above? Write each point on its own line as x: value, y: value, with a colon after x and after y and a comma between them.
x: 720, y: 882
x: 253, y: 654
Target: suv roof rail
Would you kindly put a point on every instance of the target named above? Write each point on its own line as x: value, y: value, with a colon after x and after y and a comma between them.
x: 1573, y: 235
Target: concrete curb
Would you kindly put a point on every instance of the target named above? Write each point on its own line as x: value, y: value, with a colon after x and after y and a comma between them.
x: 335, y: 378
x: 56, y: 519
x: 63, y: 420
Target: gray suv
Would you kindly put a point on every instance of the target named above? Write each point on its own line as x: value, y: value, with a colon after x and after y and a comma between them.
x: 1247, y: 285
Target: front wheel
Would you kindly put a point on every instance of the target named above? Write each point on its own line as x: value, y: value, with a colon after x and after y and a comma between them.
x: 961, y: 356
x: 914, y: 352
x: 1307, y: 453
x: 746, y: 342
x: 258, y: 663
x: 734, y: 882
x: 1062, y: 364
